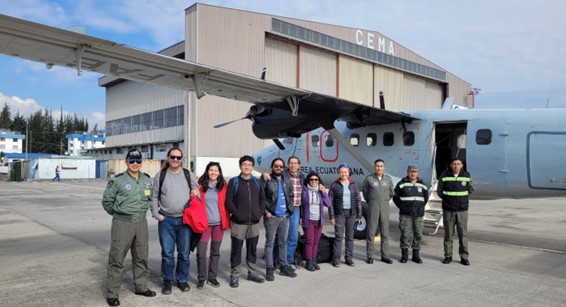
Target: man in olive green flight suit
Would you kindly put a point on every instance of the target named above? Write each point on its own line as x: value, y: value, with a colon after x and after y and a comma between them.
x: 127, y: 198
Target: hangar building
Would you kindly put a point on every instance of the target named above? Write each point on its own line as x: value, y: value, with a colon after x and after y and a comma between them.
x: 354, y: 64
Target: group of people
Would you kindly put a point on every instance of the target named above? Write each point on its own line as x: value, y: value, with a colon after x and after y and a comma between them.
x: 284, y: 198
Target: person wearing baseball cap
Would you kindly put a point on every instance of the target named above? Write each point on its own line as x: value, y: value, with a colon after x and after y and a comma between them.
x: 411, y: 195
x: 127, y: 198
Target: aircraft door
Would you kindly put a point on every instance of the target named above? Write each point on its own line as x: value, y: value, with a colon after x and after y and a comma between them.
x: 451, y: 141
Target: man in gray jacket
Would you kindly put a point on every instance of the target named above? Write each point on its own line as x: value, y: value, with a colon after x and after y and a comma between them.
x: 378, y: 191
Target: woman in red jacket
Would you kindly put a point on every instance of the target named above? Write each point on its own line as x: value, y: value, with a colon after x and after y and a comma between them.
x: 212, y: 188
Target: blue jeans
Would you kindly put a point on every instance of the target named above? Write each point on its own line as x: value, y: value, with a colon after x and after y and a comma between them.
x: 172, y: 232
x: 293, y: 236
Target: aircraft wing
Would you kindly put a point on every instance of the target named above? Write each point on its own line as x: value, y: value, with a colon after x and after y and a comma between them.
x: 299, y: 110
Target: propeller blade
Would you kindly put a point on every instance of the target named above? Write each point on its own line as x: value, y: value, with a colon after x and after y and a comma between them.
x: 279, y: 144
x: 230, y: 122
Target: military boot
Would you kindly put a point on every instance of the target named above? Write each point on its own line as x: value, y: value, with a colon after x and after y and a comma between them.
x: 404, y: 255
x: 416, y: 258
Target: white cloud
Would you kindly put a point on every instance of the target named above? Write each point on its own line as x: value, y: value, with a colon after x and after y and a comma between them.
x: 24, y: 106
x: 28, y: 106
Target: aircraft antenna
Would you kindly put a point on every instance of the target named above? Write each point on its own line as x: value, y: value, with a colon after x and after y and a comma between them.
x: 549, y: 90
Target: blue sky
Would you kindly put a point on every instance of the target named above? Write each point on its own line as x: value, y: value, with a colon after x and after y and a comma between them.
x: 513, y: 50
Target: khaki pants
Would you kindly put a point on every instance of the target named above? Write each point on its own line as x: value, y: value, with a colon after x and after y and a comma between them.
x: 127, y: 236
x: 240, y: 233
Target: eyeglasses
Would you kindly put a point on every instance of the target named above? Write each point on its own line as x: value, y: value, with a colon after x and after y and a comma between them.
x: 343, y: 165
x: 132, y: 161
x: 278, y: 166
x: 175, y: 158
x: 313, y: 179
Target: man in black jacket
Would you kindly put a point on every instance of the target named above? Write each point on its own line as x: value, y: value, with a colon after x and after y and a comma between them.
x: 246, y: 203
x: 278, y: 208
x: 411, y: 195
x: 455, y: 187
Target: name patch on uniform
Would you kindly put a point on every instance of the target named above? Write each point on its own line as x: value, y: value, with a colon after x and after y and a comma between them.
x: 128, y: 186
x: 420, y: 190
x: 146, y: 192
x: 375, y: 184
x: 464, y: 183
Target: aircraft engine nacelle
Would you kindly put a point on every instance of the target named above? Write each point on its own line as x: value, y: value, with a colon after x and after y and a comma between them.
x: 275, y: 123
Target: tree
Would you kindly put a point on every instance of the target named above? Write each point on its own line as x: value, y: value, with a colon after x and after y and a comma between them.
x: 5, y: 117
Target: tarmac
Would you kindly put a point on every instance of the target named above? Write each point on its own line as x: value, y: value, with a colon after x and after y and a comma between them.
x: 54, y: 240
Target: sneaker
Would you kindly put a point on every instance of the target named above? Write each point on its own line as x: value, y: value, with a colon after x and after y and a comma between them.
x: 287, y: 271
x: 167, y: 285
x: 349, y: 262
x: 255, y: 278
x: 200, y: 284
x: 336, y: 263
x: 183, y: 286
x: 214, y: 283
x: 234, y: 281
x: 315, y: 264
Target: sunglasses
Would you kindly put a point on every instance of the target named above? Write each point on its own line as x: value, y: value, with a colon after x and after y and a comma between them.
x: 313, y: 179
x: 175, y: 158
x: 278, y: 166
x: 132, y: 161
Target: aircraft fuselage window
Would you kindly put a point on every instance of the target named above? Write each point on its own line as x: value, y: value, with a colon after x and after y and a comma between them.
x: 409, y: 138
x: 371, y: 139
x: 329, y: 141
x: 483, y: 137
x: 355, y: 139
x: 314, y: 140
x: 388, y: 139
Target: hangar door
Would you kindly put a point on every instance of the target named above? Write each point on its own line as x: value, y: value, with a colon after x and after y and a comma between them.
x: 543, y: 147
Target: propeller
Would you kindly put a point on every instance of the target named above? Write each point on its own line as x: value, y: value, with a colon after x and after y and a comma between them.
x: 255, y: 110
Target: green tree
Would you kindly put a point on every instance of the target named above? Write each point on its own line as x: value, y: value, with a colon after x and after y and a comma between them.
x: 5, y: 118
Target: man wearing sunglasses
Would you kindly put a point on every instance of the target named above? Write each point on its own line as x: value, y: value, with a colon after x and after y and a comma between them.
x: 278, y: 209
x: 126, y: 198
x: 171, y: 191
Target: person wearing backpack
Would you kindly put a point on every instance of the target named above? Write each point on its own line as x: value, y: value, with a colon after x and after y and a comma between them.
x: 212, y: 188
x: 172, y: 188
x: 246, y: 203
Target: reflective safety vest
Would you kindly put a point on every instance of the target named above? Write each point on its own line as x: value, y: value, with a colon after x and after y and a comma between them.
x: 455, y: 190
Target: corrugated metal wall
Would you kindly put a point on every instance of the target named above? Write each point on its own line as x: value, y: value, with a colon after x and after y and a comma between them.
x: 317, y: 70
x: 355, y: 78
x: 390, y: 82
x: 281, y: 62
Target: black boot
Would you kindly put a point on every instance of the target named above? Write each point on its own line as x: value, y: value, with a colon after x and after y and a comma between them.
x: 416, y: 257
x: 310, y: 266
x: 404, y: 255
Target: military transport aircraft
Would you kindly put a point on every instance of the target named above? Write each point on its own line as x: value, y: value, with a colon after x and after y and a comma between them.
x: 510, y: 153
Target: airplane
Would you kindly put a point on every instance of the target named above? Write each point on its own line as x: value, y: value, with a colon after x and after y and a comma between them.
x: 510, y: 153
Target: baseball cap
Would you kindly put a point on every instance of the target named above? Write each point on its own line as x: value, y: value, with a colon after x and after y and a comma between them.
x: 412, y: 168
x: 133, y: 154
